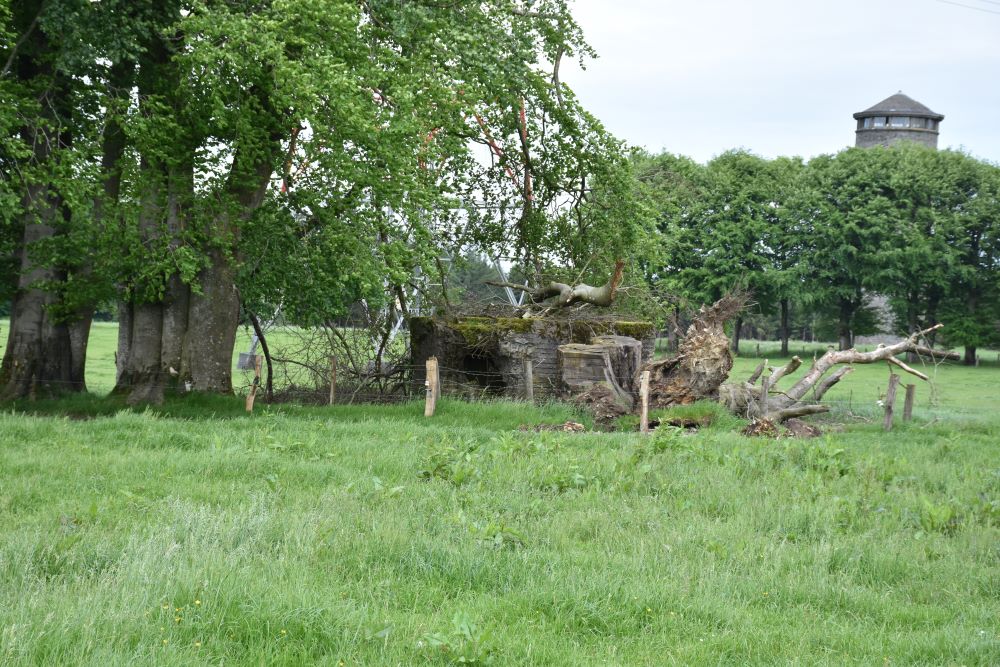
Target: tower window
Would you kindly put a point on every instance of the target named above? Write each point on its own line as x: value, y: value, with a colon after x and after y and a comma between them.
x: 918, y: 122
x: 867, y: 123
x: 900, y: 121
x: 878, y: 121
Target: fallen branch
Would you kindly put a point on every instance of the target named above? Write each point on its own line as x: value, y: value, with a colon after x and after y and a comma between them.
x: 787, y: 369
x: 779, y: 406
x: 852, y: 356
x: 757, y: 372
x: 561, y: 294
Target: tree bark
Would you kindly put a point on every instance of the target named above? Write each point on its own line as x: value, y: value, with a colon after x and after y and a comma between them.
x: 38, y: 357
x: 737, y: 328
x: 844, y: 337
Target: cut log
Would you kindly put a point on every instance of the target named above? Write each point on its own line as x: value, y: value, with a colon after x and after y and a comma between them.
x: 609, y: 360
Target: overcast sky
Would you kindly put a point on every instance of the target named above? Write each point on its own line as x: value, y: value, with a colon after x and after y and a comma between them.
x: 783, y: 77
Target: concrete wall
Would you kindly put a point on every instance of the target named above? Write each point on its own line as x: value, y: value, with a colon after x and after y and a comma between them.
x: 485, y: 355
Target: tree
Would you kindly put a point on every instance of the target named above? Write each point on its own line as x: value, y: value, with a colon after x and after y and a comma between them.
x: 296, y: 152
x: 846, y: 206
x: 44, y: 147
x: 971, y: 306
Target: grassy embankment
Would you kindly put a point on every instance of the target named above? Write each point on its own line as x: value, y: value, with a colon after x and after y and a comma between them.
x: 370, y: 535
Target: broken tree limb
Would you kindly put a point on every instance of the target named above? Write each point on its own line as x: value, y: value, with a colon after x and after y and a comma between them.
x: 799, y: 410
x: 757, y: 372
x: 561, y: 294
x: 745, y: 399
x: 787, y: 369
x: 852, y: 356
x: 825, y: 385
x: 896, y: 362
x: 936, y: 354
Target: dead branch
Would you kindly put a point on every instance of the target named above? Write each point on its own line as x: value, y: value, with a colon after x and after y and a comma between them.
x: 745, y: 398
x: 757, y: 372
x: 825, y: 385
x: 936, y: 354
x: 798, y: 410
x: 788, y: 369
x: 852, y: 356
x: 561, y: 294
x: 896, y: 362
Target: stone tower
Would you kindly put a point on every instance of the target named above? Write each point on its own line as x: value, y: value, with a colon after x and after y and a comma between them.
x: 897, y: 118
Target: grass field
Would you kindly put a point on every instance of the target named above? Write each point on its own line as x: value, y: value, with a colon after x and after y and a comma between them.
x: 372, y: 536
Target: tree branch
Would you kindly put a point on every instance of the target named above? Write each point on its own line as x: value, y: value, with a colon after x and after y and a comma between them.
x: 19, y: 43
x: 825, y: 385
x: 852, y: 356
x: 757, y: 373
x: 791, y: 367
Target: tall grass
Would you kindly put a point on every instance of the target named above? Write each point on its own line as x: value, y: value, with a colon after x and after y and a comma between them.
x: 380, y: 537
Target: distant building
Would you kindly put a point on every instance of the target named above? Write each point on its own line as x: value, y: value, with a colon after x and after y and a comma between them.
x: 897, y: 118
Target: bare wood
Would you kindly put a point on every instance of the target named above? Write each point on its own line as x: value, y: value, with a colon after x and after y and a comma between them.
x: 896, y: 362
x: 825, y: 385
x: 562, y: 294
x: 799, y: 410
x: 890, y: 400
x: 644, y: 402
x: 333, y: 379
x: 437, y: 381
x: 852, y: 356
x: 256, y: 383
x: 529, y: 380
x: 936, y: 354
x: 757, y: 372
x: 789, y: 368
x: 765, y: 389
x: 430, y: 402
x: 911, y: 391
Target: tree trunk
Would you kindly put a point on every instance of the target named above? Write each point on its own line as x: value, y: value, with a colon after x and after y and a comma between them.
x: 737, y: 327
x: 912, y: 324
x: 971, y: 304
x: 844, y: 336
x: 784, y: 328
x: 124, y: 349
x: 38, y: 358
x: 211, y: 335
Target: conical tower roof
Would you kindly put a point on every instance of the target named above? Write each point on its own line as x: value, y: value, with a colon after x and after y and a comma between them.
x: 899, y: 105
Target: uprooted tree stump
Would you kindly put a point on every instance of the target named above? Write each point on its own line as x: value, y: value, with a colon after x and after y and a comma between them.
x: 703, y: 360
x: 700, y: 369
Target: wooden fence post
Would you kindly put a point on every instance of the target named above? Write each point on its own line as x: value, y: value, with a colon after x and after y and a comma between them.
x: 644, y: 402
x: 529, y: 380
x: 437, y: 381
x: 890, y: 400
x: 333, y: 379
x: 431, y: 382
x: 911, y: 391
